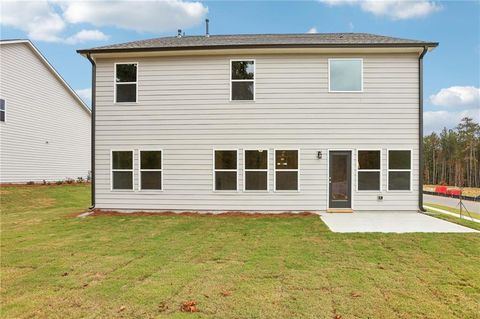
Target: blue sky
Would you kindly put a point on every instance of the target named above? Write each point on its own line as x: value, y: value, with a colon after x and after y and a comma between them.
x: 452, y: 71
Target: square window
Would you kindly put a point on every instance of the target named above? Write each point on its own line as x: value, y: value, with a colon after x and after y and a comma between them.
x: 345, y: 75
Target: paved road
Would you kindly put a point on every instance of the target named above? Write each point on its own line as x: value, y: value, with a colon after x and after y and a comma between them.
x: 472, y: 206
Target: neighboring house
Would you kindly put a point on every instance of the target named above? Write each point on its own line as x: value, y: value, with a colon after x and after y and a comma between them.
x: 45, y: 126
x: 307, y: 122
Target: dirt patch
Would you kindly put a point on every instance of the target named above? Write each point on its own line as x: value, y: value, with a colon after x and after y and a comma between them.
x: 241, y: 214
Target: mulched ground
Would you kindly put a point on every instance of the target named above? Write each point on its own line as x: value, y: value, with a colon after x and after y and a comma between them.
x: 241, y: 214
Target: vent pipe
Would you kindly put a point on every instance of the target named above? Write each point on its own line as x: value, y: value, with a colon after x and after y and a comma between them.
x: 179, y: 33
x: 207, y: 34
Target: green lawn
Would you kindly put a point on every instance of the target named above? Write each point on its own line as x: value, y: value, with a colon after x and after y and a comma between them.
x: 454, y: 210
x: 58, y: 266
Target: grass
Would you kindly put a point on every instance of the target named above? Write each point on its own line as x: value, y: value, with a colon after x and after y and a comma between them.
x: 454, y: 210
x: 54, y: 265
x: 467, y: 191
x: 455, y: 220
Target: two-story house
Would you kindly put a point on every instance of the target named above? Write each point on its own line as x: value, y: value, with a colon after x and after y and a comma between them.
x: 294, y: 122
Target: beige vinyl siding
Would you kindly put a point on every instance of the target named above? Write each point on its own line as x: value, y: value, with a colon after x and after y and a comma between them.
x: 183, y: 108
x: 39, y: 110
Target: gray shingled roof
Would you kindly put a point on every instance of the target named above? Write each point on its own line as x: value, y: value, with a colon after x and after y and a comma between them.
x: 262, y: 40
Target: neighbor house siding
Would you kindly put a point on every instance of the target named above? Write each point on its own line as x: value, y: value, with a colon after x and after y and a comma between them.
x: 46, y: 135
x: 183, y: 108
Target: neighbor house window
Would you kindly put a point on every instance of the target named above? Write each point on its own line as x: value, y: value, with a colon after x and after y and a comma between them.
x: 151, y: 170
x: 368, y: 172
x: 256, y: 170
x: 225, y: 170
x: 399, y: 170
x: 286, y: 170
x: 2, y: 110
x: 345, y: 75
x: 242, y: 84
x: 126, y: 82
x: 122, y: 170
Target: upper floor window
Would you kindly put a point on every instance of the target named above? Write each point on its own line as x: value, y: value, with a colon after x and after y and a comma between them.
x: 2, y: 110
x: 345, y: 75
x: 242, y: 86
x: 399, y: 170
x: 126, y: 82
x: 369, y: 167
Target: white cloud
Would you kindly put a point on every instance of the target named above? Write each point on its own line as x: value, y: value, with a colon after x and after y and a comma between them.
x: 49, y: 20
x: 457, y: 96
x: 435, y: 121
x: 394, y: 9
x: 143, y: 16
x: 312, y: 30
x: 85, y: 95
x: 87, y: 35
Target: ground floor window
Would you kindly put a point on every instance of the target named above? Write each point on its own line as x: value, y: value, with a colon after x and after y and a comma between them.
x: 286, y: 170
x: 399, y: 170
x: 225, y: 170
x: 256, y: 170
x: 151, y: 170
x: 368, y: 170
x: 122, y: 170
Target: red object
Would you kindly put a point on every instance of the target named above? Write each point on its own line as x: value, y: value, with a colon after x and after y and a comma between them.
x: 441, y: 189
x: 454, y: 192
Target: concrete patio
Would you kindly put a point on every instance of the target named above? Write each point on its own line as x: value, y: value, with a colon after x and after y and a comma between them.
x: 386, y: 222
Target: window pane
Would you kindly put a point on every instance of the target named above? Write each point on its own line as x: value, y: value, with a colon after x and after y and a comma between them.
x: 2, y: 116
x: 368, y: 159
x: 122, y: 160
x: 399, y: 181
x: 2, y: 105
x: 225, y: 159
x: 399, y: 160
x: 286, y: 159
x: 256, y: 159
x: 151, y: 159
x: 345, y: 75
x: 151, y: 180
x: 368, y: 181
x: 126, y: 92
x: 126, y: 73
x: 256, y: 180
x: 242, y: 91
x: 122, y: 180
x: 226, y: 180
x: 243, y: 70
x: 286, y: 180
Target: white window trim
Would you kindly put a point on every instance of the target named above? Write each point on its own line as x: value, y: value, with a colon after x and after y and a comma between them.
x: 140, y: 170
x: 343, y: 59
x: 286, y: 170
x: 400, y: 170
x: 4, y: 110
x: 245, y: 170
x: 122, y: 170
x: 254, y: 80
x: 115, y: 83
x: 369, y: 170
x: 225, y: 170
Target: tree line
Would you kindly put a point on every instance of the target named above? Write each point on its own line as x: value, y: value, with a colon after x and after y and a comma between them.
x: 452, y: 157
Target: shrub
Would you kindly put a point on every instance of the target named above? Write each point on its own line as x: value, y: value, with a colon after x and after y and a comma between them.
x: 31, y: 183
x: 44, y: 182
x: 59, y: 182
x: 80, y: 180
x: 69, y: 180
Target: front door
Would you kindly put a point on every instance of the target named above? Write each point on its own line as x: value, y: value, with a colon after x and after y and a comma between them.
x: 340, y: 179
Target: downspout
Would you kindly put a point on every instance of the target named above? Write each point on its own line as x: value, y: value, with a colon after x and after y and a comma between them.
x: 92, y: 143
x: 420, y: 128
